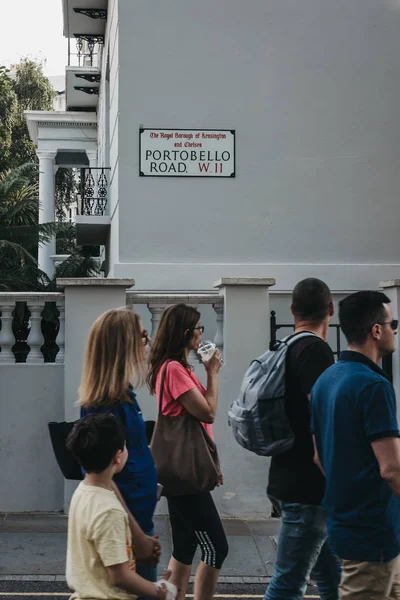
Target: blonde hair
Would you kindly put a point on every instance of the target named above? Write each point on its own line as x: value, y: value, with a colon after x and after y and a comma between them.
x: 114, y: 359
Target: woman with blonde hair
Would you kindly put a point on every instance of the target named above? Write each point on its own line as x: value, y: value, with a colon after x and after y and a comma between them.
x: 194, y: 517
x: 115, y: 365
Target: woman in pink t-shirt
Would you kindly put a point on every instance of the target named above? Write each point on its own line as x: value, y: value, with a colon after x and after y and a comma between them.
x: 194, y: 518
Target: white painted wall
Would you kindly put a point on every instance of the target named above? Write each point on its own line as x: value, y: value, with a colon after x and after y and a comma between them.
x: 312, y: 89
x: 30, y: 397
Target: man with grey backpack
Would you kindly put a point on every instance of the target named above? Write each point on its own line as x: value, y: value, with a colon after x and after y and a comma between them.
x: 271, y: 417
x: 296, y: 484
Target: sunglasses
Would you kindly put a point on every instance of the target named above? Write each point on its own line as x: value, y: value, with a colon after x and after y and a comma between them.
x: 145, y: 338
x: 393, y: 324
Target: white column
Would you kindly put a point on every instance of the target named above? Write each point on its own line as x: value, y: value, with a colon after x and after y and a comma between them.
x: 92, y: 156
x: 246, y: 336
x: 85, y: 300
x: 392, y: 290
x: 47, y: 207
x: 246, y: 321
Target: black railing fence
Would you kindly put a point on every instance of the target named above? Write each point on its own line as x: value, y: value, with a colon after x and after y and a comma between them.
x: 87, y: 50
x: 94, y: 191
x: 334, y: 341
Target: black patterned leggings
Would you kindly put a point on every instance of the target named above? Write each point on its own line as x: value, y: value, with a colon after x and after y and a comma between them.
x: 195, y: 522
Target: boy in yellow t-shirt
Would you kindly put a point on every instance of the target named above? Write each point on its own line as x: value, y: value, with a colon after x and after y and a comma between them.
x: 100, y: 560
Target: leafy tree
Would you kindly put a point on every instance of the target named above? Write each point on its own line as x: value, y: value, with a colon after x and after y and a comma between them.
x: 20, y: 233
x: 8, y: 114
x: 34, y: 92
x: 27, y: 88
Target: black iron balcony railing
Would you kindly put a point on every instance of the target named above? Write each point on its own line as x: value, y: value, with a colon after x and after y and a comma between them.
x: 94, y: 191
x: 87, y: 50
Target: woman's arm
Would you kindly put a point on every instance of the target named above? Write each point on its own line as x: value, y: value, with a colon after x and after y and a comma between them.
x: 147, y: 548
x: 204, y: 407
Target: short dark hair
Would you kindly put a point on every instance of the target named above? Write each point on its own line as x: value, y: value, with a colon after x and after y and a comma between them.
x: 95, y: 439
x: 311, y: 300
x: 359, y: 312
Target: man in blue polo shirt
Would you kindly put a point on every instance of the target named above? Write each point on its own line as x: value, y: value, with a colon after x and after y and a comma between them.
x: 356, y: 435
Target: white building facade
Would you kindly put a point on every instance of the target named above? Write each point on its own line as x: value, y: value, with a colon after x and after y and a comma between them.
x: 311, y: 91
x: 307, y: 95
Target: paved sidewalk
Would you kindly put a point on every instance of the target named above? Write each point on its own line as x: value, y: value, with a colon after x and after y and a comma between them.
x: 34, y: 545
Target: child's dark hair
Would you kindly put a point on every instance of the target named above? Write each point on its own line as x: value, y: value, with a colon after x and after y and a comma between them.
x: 95, y: 440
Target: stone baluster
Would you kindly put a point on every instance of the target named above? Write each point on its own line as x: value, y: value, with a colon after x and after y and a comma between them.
x: 156, y: 309
x: 35, y: 338
x: 219, y: 333
x: 61, y: 332
x: 7, y: 339
x: 193, y: 357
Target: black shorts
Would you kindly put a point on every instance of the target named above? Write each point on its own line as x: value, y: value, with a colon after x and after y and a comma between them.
x: 195, y: 522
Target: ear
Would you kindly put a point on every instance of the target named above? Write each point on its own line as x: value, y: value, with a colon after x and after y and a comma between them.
x: 117, y: 458
x: 291, y: 309
x: 376, y: 331
x: 331, y: 309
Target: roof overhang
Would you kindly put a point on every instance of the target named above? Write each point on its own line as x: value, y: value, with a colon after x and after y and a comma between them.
x: 84, y: 17
x: 78, y: 120
x: 82, y: 88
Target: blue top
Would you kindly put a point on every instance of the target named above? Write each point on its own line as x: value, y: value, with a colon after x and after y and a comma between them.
x: 353, y: 404
x: 137, y: 482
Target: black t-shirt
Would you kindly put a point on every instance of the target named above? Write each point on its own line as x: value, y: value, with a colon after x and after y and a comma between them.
x: 293, y: 475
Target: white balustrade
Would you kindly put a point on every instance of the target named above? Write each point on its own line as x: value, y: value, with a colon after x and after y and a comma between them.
x: 35, y: 337
x: 156, y: 311
x: 7, y: 339
x: 61, y: 332
x: 219, y: 334
x: 157, y: 302
x: 35, y: 303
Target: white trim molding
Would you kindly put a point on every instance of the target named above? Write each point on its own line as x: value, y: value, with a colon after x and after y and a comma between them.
x: 43, y: 118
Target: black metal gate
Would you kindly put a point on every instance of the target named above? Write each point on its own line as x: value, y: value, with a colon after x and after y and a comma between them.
x: 387, y: 361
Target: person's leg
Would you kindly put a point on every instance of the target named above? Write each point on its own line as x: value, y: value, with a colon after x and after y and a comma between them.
x: 205, y: 581
x: 367, y: 580
x: 301, y: 538
x: 213, y: 544
x: 180, y: 574
x: 395, y: 591
x: 184, y: 543
x: 326, y: 572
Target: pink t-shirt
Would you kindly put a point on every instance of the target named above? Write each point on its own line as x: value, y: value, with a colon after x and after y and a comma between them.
x: 178, y: 380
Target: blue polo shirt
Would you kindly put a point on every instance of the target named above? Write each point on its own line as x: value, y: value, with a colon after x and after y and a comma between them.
x: 137, y: 482
x: 353, y: 404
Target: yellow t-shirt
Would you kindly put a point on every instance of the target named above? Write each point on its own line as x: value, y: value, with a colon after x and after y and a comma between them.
x: 98, y: 537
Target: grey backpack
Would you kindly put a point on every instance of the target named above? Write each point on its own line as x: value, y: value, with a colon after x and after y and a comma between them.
x: 258, y: 417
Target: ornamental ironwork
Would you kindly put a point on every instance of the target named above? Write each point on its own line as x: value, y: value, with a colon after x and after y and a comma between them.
x: 92, y: 13
x: 87, y: 89
x: 91, y: 77
x: 94, y: 191
x: 91, y: 41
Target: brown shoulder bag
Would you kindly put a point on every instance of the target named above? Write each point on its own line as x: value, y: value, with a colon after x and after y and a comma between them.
x: 185, y: 456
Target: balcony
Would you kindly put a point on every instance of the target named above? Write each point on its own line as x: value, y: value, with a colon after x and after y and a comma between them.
x: 84, y: 17
x: 83, y: 73
x: 93, y: 220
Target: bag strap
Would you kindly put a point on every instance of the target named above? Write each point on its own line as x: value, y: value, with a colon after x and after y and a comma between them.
x: 164, y: 373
